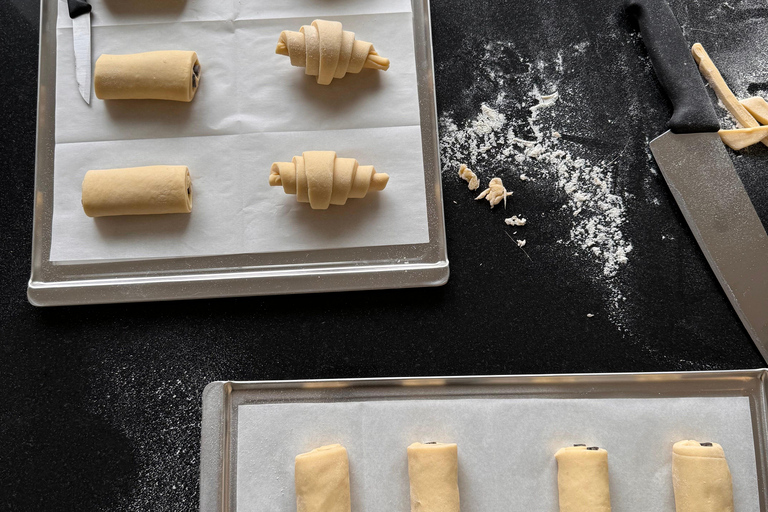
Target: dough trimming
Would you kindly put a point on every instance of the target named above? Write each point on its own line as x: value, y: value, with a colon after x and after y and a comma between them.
x: 321, y: 179
x: 322, y: 480
x: 701, y: 478
x: 433, y: 470
x: 157, y: 189
x: 165, y: 75
x: 582, y: 479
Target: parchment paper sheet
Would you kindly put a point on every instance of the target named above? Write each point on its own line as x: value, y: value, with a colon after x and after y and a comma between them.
x: 252, y: 108
x: 506, y: 448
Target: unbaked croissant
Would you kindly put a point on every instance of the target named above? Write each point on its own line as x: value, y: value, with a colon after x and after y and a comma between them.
x: 328, y: 52
x: 321, y: 179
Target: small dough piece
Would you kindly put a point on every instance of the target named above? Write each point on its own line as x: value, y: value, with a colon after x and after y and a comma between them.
x: 322, y: 480
x: 166, y: 75
x: 433, y: 470
x: 495, y: 193
x: 716, y: 81
x: 582, y: 479
x: 321, y: 179
x: 328, y: 52
x: 758, y: 107
x: 470, y: 177
x: 743, y: 137
x: 701, y: 478
x: 151, y: 190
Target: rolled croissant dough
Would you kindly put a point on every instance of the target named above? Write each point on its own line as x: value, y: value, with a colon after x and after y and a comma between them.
x: 433, y: 470
x: 322, y: 480
x: 701, y: 478
x: 166, y: 75
x: 582, y: 479
x: 137, y: 191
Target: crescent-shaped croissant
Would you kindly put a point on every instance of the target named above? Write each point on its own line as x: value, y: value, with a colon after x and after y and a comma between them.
x: 328, y: 52
x: 321, y: 179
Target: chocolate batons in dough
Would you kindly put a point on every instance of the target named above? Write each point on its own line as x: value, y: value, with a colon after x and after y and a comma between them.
x: 433, y: 470
x: 166, y: 75
x: 321, y: 179
x: 322, y: 480
x: 582, y: 479
x: 151, y: 190
x: 328, y: 52
x: 701, y: 478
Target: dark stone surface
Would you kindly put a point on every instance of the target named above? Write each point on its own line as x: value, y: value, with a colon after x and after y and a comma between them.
x: 101, y: 405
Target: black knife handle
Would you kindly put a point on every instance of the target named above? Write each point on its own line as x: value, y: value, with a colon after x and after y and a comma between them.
x: 675, y: 67
x: 78, y: 8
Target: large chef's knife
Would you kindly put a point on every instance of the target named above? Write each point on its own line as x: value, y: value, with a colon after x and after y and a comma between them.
x: 80, y: 12
x: 701, y: 175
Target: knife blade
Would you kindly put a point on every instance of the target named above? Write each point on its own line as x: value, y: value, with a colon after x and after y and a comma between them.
x: 701, y: 175
x: 80, y: 12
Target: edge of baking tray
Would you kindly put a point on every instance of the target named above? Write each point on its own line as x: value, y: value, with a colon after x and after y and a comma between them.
x: 369, y: 268
x: 219, y: 399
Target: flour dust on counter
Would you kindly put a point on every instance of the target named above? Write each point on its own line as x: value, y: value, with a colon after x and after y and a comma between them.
x: 530, y: 135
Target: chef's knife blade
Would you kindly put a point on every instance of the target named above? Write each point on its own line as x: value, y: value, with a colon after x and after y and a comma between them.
x: 80, y: 12
x: 701, y: 175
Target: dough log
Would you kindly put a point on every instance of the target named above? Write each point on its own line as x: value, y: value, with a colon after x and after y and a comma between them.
x: 137, y: 191
x: 167, y: 75
x: 328, y: 52
x: 433, y: 470
x: 758, y: 107
x: 321, y: 179
x: 322, y: 480
x: 701, y: 478
x: 582, y: 479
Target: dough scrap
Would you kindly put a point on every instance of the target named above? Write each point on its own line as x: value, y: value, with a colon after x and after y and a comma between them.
x: 328, y: 52
x: 582, y: 479
x: 165, y: 75
x: 701, y: 478
x: 743, y: 137
x: 158, y: 189
x: 515, y: 221
x: 495, y: 193
x: 321, y: 179
x: 470, y: 177
x: 322, y: 480
x: 433, y: 471
x: 758, y: 107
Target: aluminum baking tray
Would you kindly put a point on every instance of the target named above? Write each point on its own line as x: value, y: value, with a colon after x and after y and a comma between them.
x: 222, y: 402
x: 402, y: 266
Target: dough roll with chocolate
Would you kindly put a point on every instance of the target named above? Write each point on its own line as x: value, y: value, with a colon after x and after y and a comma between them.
x: 322, y: 480
x: 433, y: 470
x: 151, y: 190
x: 582, y: 479
x: 166, y: 75
x: 701, y: 478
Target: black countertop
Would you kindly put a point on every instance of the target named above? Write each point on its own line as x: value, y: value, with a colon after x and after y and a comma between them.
x: 101, y: 406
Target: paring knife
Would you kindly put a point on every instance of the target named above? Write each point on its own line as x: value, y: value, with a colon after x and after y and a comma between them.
x: 701, y: 175
x: 80, y: 12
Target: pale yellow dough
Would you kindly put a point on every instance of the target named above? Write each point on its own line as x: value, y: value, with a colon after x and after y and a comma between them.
x: 495, y: 193
x: 322, y: 480
x: 470, y: 177
x: 321, y: 179
x: 328, y: 52
x: 166, y: 75
x: 151, y: 190
x: 758, y: 107
x: 433, y: 470
x: 743, y: 137
x: 582, y: 479
x: 701, y: 478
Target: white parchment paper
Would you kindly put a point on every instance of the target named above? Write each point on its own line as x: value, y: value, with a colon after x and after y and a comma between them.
x: 506, y: 448
x: 252, y: 108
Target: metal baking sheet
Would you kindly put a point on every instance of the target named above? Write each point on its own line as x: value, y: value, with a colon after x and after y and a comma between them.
x: 258, y: 421
x: 399, y: 266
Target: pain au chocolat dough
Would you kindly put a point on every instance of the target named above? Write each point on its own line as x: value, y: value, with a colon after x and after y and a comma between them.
x: 321, y: 179
x: 701, y: 478
x: 433, y: 470
x: 328, y: 52
x: 137, y: 191
x: 582, y: 479
x: 322, y: 480
x: 166, y: 75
